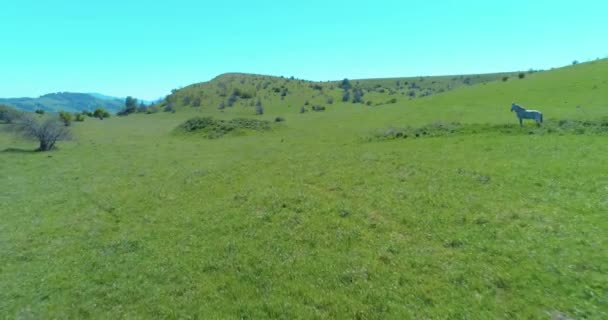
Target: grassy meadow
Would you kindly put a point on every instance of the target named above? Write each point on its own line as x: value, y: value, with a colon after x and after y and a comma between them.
x: 315, y: 218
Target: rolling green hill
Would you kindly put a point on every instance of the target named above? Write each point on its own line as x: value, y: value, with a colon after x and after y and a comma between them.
x: 313, y: 217
x: 243, y: 90
x: 64, y: 101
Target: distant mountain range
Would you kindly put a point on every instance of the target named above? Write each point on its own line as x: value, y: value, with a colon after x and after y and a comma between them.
x: 66, y: 101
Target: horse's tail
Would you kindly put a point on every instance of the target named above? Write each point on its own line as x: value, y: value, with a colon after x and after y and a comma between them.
x: 541, y: 117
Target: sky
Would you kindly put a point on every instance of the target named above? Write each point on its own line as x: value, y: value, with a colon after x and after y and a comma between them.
x: 146, y: 48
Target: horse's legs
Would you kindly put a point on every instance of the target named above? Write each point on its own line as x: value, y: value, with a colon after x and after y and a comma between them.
x: 521, y: 122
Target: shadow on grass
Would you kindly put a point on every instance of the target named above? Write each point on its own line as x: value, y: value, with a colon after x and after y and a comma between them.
x: 18, y: 150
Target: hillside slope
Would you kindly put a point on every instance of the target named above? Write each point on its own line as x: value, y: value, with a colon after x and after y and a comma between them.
x: 285, y: 94
x: 579, y: 92
x: 64, y: 101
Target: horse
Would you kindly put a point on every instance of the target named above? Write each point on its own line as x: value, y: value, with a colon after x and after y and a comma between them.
x: 527, y: 114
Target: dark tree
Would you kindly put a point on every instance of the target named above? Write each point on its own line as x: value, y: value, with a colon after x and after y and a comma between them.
x: 47, y: 131
x: 345, y: 84
x: 259, y: 110
x: 130, y: 105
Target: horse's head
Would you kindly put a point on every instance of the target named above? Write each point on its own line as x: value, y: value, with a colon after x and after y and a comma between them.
x: 514, y: 107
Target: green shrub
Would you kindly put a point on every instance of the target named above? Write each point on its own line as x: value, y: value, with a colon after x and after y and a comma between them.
x: 101, y: 113
x: 78, y: 117
x: 8, y: 114
x: 213, y: 128
x: 66, y: 118
x: 153, y: 109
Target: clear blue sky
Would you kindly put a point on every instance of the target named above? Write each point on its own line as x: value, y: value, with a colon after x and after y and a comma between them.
x: 147, y: 48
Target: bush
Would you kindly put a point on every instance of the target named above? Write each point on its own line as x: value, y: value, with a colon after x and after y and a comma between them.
x: 302, y: 110
x: 39, y: 111
x: 66, y: 118
x: 521, y: 75
x: 78, y: 117
x: 101, y: 113
x: 346, y: 96
x: 279, y: 119
x: 213, y: 128
x: 142, y: 108
x: 259, y: 110
x: 505, y: 78
x: 357, y: 95
x: 246, y: 95
x: 153, y: 109
x: 8, y: 114
x: 318, y: 108
x: 169, y: 108
x: 232, y: 99
x: 329, y: 100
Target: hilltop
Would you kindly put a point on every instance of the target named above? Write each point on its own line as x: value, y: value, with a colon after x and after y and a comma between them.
x: 244, y: 90
x: 65, y: 101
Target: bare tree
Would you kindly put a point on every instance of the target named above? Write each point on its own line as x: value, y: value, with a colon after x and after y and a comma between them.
x: 47, y: 131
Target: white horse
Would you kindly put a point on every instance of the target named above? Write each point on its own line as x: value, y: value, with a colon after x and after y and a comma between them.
x: 527, y: 114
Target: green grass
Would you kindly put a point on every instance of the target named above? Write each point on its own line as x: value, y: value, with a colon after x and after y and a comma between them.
x: 312, y: 220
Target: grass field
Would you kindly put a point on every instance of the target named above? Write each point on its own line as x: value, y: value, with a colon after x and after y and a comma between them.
x: 315, y: 218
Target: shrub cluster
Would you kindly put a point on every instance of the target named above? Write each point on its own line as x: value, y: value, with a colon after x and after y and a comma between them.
x: 560, y: 127
x: 214, y: 128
